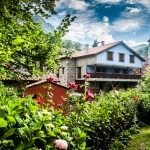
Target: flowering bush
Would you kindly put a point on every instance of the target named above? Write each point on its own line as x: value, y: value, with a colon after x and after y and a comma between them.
x: 89, y: 95
x: 61, y: 144
x: 38, y: 100
x: 25, y: 125
x: 50, y: 79
x: 72, y: 85
x: 86, y: 75
x: 104, y: 118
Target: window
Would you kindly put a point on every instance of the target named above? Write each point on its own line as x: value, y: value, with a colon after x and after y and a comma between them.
x: 57, y: 74
x: 63, y: 70
x: 79, y: 72
x: 131, y: 58
x: 121, y: 57
x: 109, y: 55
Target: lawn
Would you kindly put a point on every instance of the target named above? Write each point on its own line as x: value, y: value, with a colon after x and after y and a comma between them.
x: 140, y: 141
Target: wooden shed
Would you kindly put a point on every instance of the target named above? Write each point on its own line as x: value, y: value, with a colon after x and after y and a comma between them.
x: 46, y: 91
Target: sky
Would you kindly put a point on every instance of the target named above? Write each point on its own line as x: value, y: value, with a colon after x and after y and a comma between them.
x: 106, y: 20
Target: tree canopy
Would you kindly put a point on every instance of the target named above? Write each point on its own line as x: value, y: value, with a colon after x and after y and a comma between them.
x: 23, y: 43
x: 95, y: 43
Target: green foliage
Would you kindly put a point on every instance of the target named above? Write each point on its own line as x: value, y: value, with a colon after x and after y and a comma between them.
x: 23, y: 43
x: 103, y: 119
x: 144, y: 105
x: 95, y: 43
x: 26, y: 125
x: 68, y: 44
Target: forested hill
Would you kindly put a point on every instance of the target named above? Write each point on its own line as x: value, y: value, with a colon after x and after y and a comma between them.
x: 141, y: 49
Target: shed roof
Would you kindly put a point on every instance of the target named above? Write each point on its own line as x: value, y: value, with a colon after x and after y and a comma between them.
x: 44, y: 81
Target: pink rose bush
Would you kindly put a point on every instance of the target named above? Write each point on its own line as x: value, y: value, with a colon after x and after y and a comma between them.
x: 61, y: 144
x: 86, y: 76
x: 72, y: 85
x: 89, y: 95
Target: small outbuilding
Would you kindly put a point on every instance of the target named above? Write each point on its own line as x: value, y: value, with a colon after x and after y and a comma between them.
x: 45, y: 91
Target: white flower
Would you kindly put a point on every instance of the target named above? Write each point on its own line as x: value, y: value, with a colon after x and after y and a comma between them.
x: 47, y: 113
x: 117, y: 92
x: 64, y: 128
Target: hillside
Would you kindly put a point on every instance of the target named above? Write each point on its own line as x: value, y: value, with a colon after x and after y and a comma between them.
x: 141, y: 49
x: 46, y: 27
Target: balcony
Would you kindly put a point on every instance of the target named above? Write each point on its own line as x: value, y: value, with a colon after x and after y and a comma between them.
x: 114, y: 76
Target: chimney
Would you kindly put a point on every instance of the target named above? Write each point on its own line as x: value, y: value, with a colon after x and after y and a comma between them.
x: 102, y: 43
x: 86, y: 47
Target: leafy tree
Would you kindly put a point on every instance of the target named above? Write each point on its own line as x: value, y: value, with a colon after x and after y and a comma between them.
x: 23, y: 43
x: 77, y: 46
x: 95, y: 44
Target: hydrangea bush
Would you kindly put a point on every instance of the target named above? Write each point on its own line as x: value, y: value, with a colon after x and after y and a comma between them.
x: 24, y: 124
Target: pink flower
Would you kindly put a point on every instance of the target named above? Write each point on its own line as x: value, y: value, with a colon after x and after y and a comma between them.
x: 72, y: 85
x: 89, y: 95
x: 86, y: 75
x: 38, y: 100
x: 61, y: 144
x: 50, y: 79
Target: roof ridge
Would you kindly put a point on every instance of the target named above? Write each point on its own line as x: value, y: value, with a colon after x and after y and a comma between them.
x: 95, y: 50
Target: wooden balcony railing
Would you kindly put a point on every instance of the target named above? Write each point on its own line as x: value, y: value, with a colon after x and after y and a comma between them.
x: 115, y: 76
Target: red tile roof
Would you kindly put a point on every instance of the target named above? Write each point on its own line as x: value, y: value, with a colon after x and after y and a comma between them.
x: 95, y: 50
x: 99, y: 49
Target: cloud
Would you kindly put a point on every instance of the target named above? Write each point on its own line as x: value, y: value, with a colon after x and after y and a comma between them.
x: 126, y: 25
x: 80, y: 5
x: 108, y: 1
x: 145, y: 3
x: 105, y: 19
x: 134, y: 43
x: 133, y: 10
x: 87, y: 31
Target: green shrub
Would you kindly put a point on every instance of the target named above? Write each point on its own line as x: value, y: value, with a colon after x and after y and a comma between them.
x: 144, y: 104
x: 26, y: 125
x: 104, y: 118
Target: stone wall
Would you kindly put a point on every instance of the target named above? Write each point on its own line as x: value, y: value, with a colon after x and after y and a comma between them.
x: 83, y: 62
x: 69, y: 71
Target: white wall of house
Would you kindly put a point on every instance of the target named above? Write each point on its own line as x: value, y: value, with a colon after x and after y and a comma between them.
x: 101, y: 58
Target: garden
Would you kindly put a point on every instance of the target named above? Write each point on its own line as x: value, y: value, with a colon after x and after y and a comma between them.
x: 87, y: 121
x: 102, y: 122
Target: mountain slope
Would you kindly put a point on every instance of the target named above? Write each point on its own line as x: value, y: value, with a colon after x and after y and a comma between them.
x: 46, y: 27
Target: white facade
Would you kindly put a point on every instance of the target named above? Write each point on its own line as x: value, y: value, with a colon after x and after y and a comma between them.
x: 102, y: 58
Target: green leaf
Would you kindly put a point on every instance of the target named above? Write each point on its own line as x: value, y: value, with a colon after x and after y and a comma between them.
x: 10, y: 132
x: 2, y: 113
x: 3, y: 123
x: 20, y: 146
x: 19, y: 120
x: 11, y: 119
x: 50, y: 133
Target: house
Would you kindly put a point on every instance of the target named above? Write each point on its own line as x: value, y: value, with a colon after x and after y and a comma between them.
x: 48, y: 90
x: 109, y: 65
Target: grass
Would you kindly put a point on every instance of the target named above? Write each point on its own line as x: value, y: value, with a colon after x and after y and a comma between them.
x: 140, y: 141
